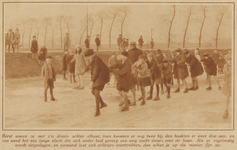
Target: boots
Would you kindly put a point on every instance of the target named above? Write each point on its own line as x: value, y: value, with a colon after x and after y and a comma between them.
x: 193, y: 87
x: 197, y: 87
x: 151, y: 91
x: 125, y: 106
x: 52, y: 97
x: 177, y: 90
x: 157, y: 94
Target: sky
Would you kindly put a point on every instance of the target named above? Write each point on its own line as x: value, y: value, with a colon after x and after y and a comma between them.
x: 140, y: 20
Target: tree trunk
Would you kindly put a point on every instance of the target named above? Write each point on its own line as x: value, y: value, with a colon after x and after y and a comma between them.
x: 23, y: 34
x: 68, y: 29
x: 83, y: 33
x: 203, y: 21
x: 37, y: 33
x: 171, y: 22
x: 45, y: 35
x: 30, y: 37
x: 111, y: 31
x: 52, y: 37
x: 122, y: 24
x: 91, y: 30
x: 186, y: 29
x: 61, y: 34
x: 102, y: 21
x: 217, y: 31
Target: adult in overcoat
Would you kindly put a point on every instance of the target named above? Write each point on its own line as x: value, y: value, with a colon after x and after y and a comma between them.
x: 99, y: 76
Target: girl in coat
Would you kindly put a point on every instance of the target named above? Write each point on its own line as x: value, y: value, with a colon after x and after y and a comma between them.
x: 227, y: 84
x: 141, y: 68
x: 195, y: 69
x: 180, y: 69
x: 80, y: 66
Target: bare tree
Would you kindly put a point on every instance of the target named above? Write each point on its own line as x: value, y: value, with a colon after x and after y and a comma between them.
x: 30, y: 23
x: 124, y: 11
x: 67, y: 20
x: 91, y: 22
x: 187, y: 24
x: 36, y: 23
x: 221, y: 11
x: 82, y: 34
x: 101, y: 15
x: 60, y: 20
x: 46, y: 22
x: 204, y: 8
x: 50, y: 24
x: 114, y: 14
x: 170, y: 24
x: 23, y: 34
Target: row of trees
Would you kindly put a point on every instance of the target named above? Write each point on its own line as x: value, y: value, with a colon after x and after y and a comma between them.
x: 120, y: 14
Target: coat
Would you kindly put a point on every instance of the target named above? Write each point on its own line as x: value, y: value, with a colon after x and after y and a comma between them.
x: 180, y: 68
x: 196, y: 68
x: 119, y: 41
x: 66, y: 40
x: 97, y: 41
x: 133, y: 54
x: 42, y: 53
x: 215, y: 58
x: 80, y: 63
x: 167, y: 71
x: 87, y: 43
x: 125, y: 79
x: 17, y: 37
x: 154, y: 69
x: 227, y: 80
x: 140, y: 41
x: 64, y: 62
x: 221, y: 63
x: 10, y: 38
x: 142, y: 69
x: 210, y: 66
x: 99, y: 72
x: 34, y: 46
x: 44, y: 72
x: 71, y: 65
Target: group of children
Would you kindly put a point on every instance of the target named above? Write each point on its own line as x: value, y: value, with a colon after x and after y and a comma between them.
x: 147, y: 70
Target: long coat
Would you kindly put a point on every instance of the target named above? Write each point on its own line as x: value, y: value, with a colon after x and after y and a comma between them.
x: 196, y: 68
x: 87, y: 43
x: 154, y: 69
x: 140, y: 41
x: 45, y: 70
x: 80, y: 63
x: 119, y: 41
x: 42, y: 53
x: 180, y: 68
x: 210, y: 66
x: 99, y: 72
x: 227, y: 80
x: 167, y: 71
x: 125, y: 79
x: 133, y: 54
x: 34, y: 46
x: 97, y: 41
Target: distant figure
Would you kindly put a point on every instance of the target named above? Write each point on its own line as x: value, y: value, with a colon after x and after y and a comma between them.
x: 66, y: 42
x: 152, y: 44
x: 49, y: 74
x: 140, y: 41
x: 87, y: 42
x: 97, y: 42
x: 42, y: 53
x: 126, y: 44
x: 99, y: 76
x: 10, y: 40
x: 119, y: 41
x: 17, y: 39
x: 167, y: 72
x: 34, y: 49
x: 221, y: 64
x: 64, y: 64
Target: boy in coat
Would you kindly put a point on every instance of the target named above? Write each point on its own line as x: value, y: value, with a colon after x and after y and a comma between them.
x: 34, y: 49
x: 49, y: 75
x: 155, y: 76
x: 167, y: 71
x: 125, y: 81
x: 99, y: 77
x: 195, y: 68
x: 64, y: 64
x: 71, y: 66
x: 211, y: 70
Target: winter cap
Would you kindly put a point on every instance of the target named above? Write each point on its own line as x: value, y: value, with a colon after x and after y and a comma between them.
x: 89, y: 52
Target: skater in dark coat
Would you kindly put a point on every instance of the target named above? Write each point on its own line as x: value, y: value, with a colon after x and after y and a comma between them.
x: 196, y: 69
x: 180, y: 69
x: 99, y: 76
x: 125, y: 78
x: 211, y: 70
x: 87, y: 42
x: 167, y: 71
x: 97, y: 42
x: 155, y: 76
x: 42, y: 53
